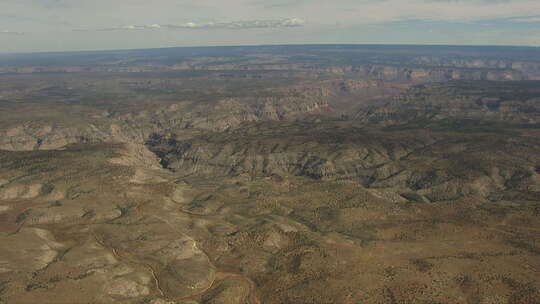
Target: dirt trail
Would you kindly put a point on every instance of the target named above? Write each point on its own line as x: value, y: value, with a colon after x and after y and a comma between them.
x: 252, y: 297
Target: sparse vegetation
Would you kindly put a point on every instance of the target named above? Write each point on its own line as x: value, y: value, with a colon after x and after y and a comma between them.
x: 272, y: 174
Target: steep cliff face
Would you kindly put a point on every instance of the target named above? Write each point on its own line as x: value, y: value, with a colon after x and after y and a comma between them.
x: 307, y: 149
x: 529, y: 69
x: 335, y: 179
x: 428, y: 74
x: 513, y: 102
x: 55, y: 130
x: 368, y: 101
x: 436, y: 166
x: 417, y: 70
x: 104, y: 223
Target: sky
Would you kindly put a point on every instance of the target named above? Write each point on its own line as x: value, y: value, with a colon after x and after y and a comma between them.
x: 69, y: 25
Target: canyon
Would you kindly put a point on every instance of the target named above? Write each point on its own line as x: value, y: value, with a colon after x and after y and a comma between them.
x: 277, y: 174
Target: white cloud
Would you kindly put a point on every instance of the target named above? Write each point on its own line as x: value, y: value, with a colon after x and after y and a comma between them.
x: 338, y: 20
x: 249, y: 24
x: 137, y: 27
x: 377, y: 11
x: 527, y: 19
x: 193, y: 14
x: 122, y: 28
x: 234, y: 25
x: 8, y: 32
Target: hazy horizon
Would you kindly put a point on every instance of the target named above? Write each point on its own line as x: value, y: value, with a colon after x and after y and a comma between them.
x: 271, y: 45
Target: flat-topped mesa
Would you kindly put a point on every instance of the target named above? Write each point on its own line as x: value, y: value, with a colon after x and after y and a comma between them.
x: 424, y: 73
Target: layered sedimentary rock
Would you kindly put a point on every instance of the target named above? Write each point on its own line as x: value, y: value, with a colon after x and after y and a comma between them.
x: 517, y: 102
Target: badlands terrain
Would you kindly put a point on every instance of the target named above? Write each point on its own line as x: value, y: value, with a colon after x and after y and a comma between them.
x: 273, y: 174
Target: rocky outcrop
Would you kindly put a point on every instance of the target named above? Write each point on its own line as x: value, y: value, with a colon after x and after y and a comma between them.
x: 183, y: 116
x: 411, y: 161
x: 272, y: 191
x: 419, y: 69
x: 427, y: 74
x: 513, y: 102
x: 113, y: 258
